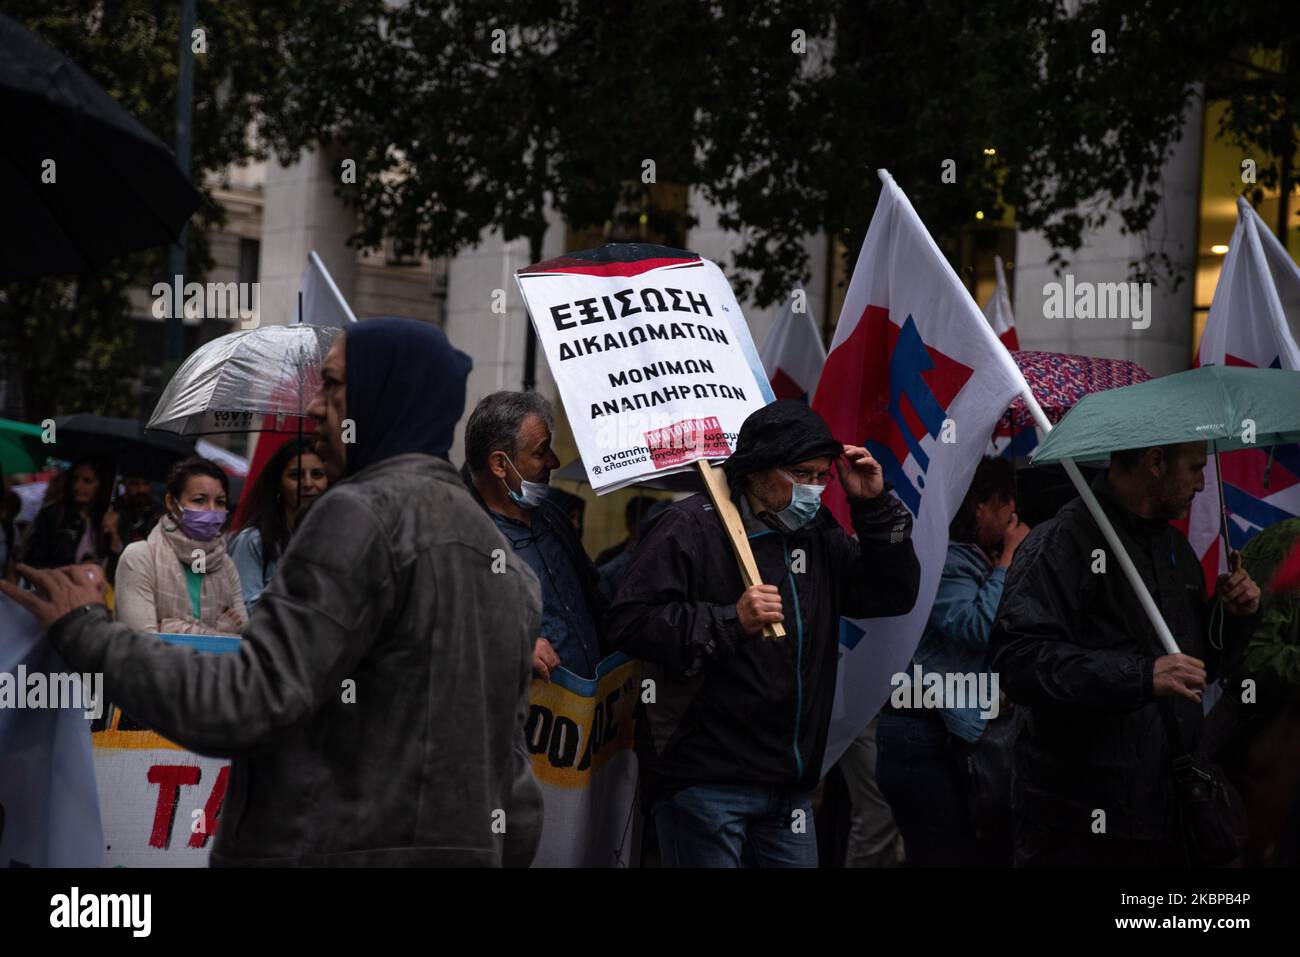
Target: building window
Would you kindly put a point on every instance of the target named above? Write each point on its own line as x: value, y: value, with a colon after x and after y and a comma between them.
x: 400, y: 252
x: 250, y: 251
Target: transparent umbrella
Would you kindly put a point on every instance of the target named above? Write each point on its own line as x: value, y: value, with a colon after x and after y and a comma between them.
x: 231, y: 383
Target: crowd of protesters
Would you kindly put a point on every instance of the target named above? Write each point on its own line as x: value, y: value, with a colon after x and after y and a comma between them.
x: 456, y: 589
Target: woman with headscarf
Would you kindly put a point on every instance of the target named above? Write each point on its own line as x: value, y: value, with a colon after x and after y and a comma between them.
x: 180, y: 580
x: 71, y: 530
x: 292, y: 479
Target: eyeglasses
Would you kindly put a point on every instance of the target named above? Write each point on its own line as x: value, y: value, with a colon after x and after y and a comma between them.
x: 806, y: 477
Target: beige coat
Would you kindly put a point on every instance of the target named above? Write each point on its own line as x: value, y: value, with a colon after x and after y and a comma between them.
x: 151, y: 596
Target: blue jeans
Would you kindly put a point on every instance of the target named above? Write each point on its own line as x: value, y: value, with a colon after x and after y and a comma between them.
x: 920, y: 776
x: 736, y: 825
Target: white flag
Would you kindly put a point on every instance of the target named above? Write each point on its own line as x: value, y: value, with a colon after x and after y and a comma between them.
x: 998, y: 309
x: 322, y: 303
x: 1254, y: 321
x: 916, y: 375
x: 792, y: 353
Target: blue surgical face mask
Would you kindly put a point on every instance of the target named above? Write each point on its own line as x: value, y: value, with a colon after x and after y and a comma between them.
x: 530, y: 494
x: 805, y: 500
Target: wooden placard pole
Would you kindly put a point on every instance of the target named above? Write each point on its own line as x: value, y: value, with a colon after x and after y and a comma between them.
x: 715, y: 481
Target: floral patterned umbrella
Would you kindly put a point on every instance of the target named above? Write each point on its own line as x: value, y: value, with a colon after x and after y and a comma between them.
x: 1060, y: 380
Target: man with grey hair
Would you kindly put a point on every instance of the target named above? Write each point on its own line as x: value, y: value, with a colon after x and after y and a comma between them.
x: 508, y: 463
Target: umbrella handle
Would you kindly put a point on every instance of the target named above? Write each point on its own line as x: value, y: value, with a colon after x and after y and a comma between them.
x: 1223, y: 508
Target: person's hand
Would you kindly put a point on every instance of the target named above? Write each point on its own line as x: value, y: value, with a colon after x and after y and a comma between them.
x: 864, y: 478
x: 1237, y: 590
x: 230, y: 622
x: 1180, y: 675
x: 58, y: 590
x: 111, y: 526
x: 1017, y: 531
x: 545, y: 660
x: 760, y: 605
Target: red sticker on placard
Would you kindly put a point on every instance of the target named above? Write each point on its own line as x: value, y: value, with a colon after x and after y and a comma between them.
x: 687, y: 441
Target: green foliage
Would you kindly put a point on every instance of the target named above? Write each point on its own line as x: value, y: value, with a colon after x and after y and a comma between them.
x: 466, y: 117
x: 75, y: 337
x: 75, y: 344
x: 453, y: 137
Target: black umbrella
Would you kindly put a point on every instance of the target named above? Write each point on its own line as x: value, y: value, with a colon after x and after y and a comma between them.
x: 137, y: 452
x: 115, y: 186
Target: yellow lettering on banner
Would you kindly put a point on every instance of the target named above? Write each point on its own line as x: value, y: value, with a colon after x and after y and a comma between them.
x: 570, y: 736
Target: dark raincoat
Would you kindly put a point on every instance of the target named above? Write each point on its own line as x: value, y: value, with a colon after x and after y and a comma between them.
x: 729, y: 708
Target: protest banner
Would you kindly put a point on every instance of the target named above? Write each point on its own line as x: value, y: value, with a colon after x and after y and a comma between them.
x: 160, y: 803
x: 655, y: 366
x: 652, y: 356
x: 579, y: 734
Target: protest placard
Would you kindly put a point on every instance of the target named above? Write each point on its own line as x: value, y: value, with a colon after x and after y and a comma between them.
x: 651, y: 354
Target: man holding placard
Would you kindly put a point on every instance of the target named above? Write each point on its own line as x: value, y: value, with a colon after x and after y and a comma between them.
x: 733, y: 726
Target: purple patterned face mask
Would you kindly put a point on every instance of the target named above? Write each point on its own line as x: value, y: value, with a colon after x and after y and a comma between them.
x: 202, y: 525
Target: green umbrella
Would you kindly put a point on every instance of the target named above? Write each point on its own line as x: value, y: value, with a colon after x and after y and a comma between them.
x: 21, y: 448
x: 1233, y: 407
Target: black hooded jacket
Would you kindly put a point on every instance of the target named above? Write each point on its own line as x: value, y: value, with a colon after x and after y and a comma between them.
x: 1074, y: 649
x: 729, y: 708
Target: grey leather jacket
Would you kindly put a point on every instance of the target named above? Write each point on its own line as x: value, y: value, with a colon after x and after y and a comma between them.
x: 375, y: 710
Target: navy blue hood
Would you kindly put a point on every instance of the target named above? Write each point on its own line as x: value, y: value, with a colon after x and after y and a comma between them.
x: 406, y: 389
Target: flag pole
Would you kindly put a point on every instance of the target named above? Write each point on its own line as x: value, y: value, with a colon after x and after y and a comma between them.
x: 329, y: 280
x: 299, y: 417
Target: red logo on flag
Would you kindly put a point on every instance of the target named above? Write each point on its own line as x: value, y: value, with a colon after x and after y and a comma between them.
x: 886, y: 389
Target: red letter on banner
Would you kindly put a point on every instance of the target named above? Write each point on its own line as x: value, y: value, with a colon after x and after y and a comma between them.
x: 211, y: 809
x: 170, y: 778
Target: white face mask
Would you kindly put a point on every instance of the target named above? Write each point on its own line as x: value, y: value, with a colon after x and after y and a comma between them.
x: 805, y: 500
x: 530, y: 494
